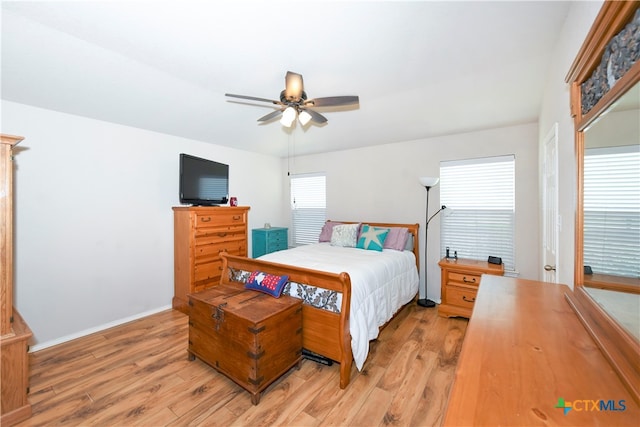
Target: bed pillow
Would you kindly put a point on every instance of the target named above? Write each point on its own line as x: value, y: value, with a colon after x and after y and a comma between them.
x: 397, y: 238
x: 409, y: 246
x: 268, y: 283
x: 345, y: 235
x: 372, y: 238
x: 327, y: 231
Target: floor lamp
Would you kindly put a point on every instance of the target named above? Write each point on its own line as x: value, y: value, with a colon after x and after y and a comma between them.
x: 428, y: 182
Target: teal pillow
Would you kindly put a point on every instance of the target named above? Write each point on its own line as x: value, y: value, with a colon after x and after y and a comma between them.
x: 372, y: 238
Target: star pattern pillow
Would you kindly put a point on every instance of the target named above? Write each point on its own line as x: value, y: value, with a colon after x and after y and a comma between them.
x: 372, y: 238
x: 268, y: 283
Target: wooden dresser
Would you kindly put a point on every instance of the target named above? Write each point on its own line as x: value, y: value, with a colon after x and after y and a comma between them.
x: 527, y: 360
x: 14, y: 332
x: 200, y: 235
x: 460, y: 280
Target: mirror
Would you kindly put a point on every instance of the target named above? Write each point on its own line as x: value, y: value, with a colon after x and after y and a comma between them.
x: 604, y: 84
x: 611, y: 210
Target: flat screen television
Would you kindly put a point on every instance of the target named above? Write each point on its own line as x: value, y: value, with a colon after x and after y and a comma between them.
x: 203, y: 182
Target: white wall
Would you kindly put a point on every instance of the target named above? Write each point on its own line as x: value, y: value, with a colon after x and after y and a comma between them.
x: 94, y: 243
x: 556, y: 109
x: 94, y: 225
x: 380, y: 184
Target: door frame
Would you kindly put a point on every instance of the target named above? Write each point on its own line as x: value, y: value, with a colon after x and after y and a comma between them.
x: 550, y: 218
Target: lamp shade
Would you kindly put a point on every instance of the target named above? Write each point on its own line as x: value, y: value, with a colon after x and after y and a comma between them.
x: 429, y: 181
x: 294, y: 86
x: 288, y: 116
x: 304, y: 118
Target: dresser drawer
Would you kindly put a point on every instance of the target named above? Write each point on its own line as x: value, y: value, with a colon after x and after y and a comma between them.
x: 464, y: 278
x: 213, y: 250
x: 221, y: 218
x: 210, y: 235
x: 276, y: 246
x: 461, y: 297
x: 276, y: 238
x: 208, y: 271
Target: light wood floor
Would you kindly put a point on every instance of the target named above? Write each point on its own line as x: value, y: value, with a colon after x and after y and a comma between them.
x: 138, y: 374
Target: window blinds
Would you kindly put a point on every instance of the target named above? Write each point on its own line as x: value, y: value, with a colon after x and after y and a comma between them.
x: 612, y: 210
x: 308, y: 207
x: 481, y: 196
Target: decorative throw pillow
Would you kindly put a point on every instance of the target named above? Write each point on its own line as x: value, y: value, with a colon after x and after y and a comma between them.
x: 372, y: 238
x: 409, y: 246
x: 397, y: 238
x: 267, y: 283
x: 327, y: 231
x: 345, y: 235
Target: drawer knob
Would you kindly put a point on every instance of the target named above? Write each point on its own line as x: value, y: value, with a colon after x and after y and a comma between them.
x: 464, y: 297
x: 236, y: 217
x: 207, y: 219
x: 464, y: 279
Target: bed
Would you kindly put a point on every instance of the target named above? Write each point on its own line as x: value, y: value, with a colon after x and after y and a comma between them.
x: 342, y: 307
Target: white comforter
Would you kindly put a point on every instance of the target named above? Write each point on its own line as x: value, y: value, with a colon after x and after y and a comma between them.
x: 381, y: 283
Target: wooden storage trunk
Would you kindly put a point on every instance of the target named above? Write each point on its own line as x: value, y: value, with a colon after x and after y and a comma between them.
x: 251, y: 337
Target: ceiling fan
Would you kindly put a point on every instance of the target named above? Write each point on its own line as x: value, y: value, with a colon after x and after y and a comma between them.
x: 294, y: 103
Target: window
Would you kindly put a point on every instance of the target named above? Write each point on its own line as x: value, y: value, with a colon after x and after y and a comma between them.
x: 308, y: 207
x: 612, y: 210
x: 481, y: 195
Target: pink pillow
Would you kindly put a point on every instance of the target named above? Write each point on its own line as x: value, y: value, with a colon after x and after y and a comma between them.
x: 397, y: 238
x: 327, y: 231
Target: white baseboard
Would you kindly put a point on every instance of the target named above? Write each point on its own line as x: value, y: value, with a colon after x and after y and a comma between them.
x: 90, y: 331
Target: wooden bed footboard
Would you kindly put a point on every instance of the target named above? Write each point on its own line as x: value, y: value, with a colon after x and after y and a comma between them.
x: 323, y: 332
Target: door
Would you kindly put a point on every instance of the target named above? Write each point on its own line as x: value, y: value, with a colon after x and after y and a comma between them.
x: 551, y: 222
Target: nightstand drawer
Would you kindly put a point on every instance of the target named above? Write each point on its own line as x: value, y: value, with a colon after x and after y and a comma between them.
x: 461, y: 297
x: 464, y: 278
x: 277, y: 238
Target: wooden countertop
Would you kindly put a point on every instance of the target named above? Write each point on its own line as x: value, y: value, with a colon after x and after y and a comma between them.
x: 525, y: 349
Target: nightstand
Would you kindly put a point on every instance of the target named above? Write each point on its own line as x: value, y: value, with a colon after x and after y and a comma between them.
x: 460, y: 280
x: 267, y: 240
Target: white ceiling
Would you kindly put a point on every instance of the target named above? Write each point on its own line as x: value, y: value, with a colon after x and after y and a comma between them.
x: 421, y: 69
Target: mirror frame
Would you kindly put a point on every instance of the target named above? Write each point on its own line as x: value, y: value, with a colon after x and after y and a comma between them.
x: 620, y: 348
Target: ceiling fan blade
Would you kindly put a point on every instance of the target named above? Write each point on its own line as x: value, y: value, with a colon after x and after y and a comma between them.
x: 316, y: 117
x: 271, y: 116
x: 253, y: 98
x: 333, y: 101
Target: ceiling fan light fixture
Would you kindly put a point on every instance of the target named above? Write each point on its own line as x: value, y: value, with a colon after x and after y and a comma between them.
x: 304, y: 118
x: 294, y: 104
x: 293, y: 86
x: 288, y: 116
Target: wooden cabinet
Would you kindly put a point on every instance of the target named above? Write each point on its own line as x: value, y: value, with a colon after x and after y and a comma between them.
x: 251, y: 337
x: 267, y: 240
x: 15, y: 334
x: 460, y: 279
x: 200, y: 234
x: 526, y: 360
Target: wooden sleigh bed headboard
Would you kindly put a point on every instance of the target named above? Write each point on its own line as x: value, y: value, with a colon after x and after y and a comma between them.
x: 323, y: 332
